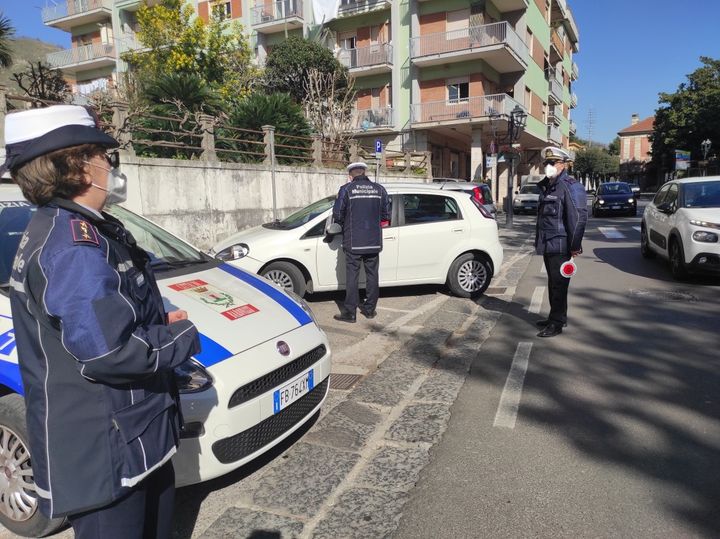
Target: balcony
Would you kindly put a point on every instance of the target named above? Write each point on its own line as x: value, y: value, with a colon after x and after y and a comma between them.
x: 554, y: 134
x: 370, y: 60
x: 83, y: 58
x: 575, y: 73
x: 66, y: 15
x: 556, y: 90
x: 557, y: 47
x: 503, y: 6
x: 555, y: 115
x: 573, y: 127
x: 373, y: 119
x: 573, y: 101
x: 461, y: 111
x: 497, y: 44
x: 349, y: 8
x: 277, y: 16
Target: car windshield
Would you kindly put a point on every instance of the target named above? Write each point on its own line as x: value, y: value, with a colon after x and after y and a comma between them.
x: 307, y: 214
x: 14, y: 218
x: 614, y: 189
x: 529, y: 190
x: 166, y: 251
x: 702, y: 195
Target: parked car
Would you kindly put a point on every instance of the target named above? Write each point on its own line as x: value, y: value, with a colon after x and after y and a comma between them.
x: 526, y: 199
x: 435, y: 235
x: 479, y: 191
x: 634, y: 187
x: 614, y: 197
x: 682, y: 224
x: 257, y: 341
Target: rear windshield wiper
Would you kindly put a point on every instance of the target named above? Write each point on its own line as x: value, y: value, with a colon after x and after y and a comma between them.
x: 161, y: 264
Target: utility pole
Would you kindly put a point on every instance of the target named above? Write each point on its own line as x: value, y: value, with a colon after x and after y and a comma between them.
x: 590, y: 125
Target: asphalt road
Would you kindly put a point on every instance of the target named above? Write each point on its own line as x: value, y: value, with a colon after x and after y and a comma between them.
x: 608, y: 430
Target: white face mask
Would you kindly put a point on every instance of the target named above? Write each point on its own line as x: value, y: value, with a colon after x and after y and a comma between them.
x: 116, y: 187
x: 551, y: 171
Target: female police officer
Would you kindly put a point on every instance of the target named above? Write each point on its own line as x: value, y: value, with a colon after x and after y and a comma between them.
x: 562, y: 215
x: 95, y: 347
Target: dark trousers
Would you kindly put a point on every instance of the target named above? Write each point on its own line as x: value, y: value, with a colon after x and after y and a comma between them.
x: 557, y: 287
x: 352, y: 273
x: 145, y: 513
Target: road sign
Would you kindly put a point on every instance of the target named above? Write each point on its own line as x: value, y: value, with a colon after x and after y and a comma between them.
x: 490, y: 161
x: 378, y: 148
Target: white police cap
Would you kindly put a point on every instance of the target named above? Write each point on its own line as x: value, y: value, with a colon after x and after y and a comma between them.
x: 35, y: 132
x: 359, y: 164
x: 553, y: 153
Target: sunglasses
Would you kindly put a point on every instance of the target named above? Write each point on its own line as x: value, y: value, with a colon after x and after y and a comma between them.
x: 113, y: 159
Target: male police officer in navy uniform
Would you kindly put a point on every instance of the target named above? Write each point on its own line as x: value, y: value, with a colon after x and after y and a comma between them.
x: 562, y: 215
x: 362, y: 208
x: 95, y: 346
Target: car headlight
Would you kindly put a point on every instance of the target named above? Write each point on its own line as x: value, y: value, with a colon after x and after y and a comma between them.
x: 705, y: 237
x: 303, y: 304
x: 704, y: 224
x: 601, y: 201
x: 234, y: 252
x: 631, y: 200
x: 191, y: 377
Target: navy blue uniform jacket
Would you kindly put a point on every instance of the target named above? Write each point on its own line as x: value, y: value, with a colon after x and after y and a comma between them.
x: 359, y: 208
x: 562, y: 215
x: 96, y: 358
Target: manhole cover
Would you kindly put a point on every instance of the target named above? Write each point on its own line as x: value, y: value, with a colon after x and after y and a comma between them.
x: 343, y: 381
x: 663, y: 295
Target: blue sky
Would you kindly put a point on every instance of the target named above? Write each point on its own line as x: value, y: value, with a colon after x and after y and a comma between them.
x: 630, y: 50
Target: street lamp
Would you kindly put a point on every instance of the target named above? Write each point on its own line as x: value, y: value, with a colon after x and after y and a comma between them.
x: 494, y: 118
x: 705, y: 146
x: 516, y: 125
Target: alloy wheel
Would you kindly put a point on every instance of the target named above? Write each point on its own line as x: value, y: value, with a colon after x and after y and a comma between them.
x: 18, y: 495
x: 280, y: 278
x: 472, y: 275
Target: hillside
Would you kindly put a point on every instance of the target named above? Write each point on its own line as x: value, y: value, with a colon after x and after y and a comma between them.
x: 25, y: 50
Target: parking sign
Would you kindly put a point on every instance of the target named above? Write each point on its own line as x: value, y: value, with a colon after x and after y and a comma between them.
x: 378, y: 148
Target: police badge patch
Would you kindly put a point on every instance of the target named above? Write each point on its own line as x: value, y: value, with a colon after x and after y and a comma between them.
x: 83, y: 232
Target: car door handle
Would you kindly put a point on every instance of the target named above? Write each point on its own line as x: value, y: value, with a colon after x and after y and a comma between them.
x: 458, y: 230
x: 389, y: 238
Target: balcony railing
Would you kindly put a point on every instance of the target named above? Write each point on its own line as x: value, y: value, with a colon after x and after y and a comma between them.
x: 277, y: 11
x: 78, y: 55
x: 573, y: 127
x: 350, y: 7
x: 73, y: 7
x: 473, y: 37
x: 371, y: 55
x: 555, y: 114
x: 556, y: 89
x: 373, y: 118
x: 575, y: 73
x: 554, y: 134
x: 472, y: 108
x: 573, y: 101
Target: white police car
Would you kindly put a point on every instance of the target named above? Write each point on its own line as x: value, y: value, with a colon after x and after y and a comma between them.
x: 262, y: 373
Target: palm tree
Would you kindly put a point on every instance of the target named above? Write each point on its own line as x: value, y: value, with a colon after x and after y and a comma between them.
x: 6, y: 31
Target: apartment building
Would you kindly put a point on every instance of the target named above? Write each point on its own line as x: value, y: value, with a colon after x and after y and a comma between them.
x: 430, y: 75
x: 635, y: 146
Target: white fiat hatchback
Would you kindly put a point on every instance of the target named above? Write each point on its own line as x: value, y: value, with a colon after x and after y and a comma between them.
x: 435, y: 236
x: 262, y: 373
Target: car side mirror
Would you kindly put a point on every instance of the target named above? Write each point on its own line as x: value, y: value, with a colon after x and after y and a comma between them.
x: 665, y: 207
x: 333, y: 229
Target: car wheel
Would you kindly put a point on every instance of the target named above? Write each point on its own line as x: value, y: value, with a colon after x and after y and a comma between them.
x: 677, y: 260
x: 469, y: 275
x: 645, y: 250
x: 19, y: 511
x: 286, y: 275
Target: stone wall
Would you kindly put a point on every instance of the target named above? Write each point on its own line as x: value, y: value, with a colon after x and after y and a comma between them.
x: 205, y: 201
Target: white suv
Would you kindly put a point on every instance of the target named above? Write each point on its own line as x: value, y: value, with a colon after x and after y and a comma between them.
x: 435, y: 236
x: 682, y: 224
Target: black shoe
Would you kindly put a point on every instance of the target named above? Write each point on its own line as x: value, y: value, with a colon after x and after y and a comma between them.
x: 550, y: 330
x: 544, y: 323
x: 345, y: 317
x: 368, y: 314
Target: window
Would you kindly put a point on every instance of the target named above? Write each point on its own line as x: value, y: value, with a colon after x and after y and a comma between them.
x: 347, y: 40
x: 429, y: 209
x: 671, y: 197
x: 458, y: 90
x: 221, y: 10
x: 661, y: 195
x: 456, y: 21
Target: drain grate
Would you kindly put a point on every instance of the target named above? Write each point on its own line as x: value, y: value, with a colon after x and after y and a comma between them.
x: 663, y: 295
x: 344, y: 381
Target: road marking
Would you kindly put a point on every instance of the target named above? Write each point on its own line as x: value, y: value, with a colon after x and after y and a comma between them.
x: 506, y: 414
x: 542, y: 268
x: 536, y: 301
x: 611, y: 232
x: 637, y: 228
